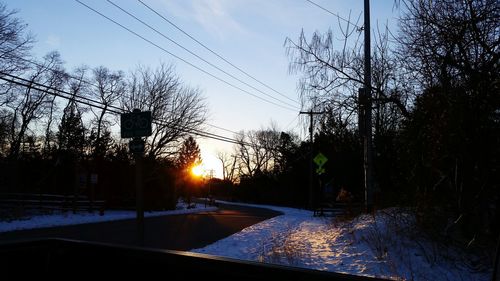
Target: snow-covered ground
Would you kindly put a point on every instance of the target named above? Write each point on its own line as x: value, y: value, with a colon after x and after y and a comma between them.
x: 68, y: 218
x: 381, y: 246
x: 378, y: 246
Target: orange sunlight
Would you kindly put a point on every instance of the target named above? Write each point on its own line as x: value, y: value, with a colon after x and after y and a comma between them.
x: 197, y: 171
x: 209, y: 167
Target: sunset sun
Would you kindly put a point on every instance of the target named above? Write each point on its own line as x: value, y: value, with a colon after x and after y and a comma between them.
x: 197, y: 170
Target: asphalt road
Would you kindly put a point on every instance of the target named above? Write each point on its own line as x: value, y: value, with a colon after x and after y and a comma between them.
x: 174, y: 232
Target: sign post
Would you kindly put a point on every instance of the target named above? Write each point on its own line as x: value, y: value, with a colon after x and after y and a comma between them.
x: 136, y: 125
x: 320, y: 160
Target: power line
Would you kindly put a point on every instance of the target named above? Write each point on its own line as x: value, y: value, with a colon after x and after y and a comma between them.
x: 113, y: 109
x: 181, y: 59
x: 194, y: 54
x: 58, y: 70
x: 224, y: 129
x: 97, y: 86
x: 57, y: 93
x: 337, y: 15
x: 291, y: 122
x: 110, y: 108
x: 215, y: 53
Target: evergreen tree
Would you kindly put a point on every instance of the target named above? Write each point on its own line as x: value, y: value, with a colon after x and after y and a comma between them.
x: 189, y: 154
x: 71, y: 135
x: 100, y: 145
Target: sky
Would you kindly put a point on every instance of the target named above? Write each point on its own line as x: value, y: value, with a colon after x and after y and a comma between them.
x: 248, y: 33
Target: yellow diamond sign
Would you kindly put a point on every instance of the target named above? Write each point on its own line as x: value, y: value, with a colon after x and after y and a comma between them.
x: 320, y: 159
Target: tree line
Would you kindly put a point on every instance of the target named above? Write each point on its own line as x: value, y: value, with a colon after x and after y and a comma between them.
x: 436, y: 104
x: 52, y: 142
x: 436, y: 121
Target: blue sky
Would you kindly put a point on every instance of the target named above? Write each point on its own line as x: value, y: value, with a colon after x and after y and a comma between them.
x: 248, y: 33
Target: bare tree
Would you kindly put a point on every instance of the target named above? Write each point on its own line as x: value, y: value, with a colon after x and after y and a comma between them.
x: 110, y: 86
x: 451, y: 43
x: 228, y: 163
x: 257, y: 151
x: 333, y: 72
x: 58, y: 78
x: 452, y: 49
x: 176, y: 109
x: 29, y: 104
x: 15, y: 42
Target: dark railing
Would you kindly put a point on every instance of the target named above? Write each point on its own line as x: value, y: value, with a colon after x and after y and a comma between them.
x: 77, y: 260
x: 38, y: 201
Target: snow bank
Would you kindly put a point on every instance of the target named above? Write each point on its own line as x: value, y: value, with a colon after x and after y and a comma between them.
x: 68, y: 218
x: 382, y: 246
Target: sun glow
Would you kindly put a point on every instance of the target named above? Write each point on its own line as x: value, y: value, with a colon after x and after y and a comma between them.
x: 210, y: 167
x: 197, y: 170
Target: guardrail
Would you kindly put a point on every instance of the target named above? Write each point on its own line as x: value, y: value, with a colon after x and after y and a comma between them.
x: 333, y: 209
x: 30, y: 201
x: 70, y: 259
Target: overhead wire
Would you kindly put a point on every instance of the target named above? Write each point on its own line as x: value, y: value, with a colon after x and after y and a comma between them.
x: 360, y: 28
x: 194, y: 54
x: 291, y: 122
x: 215, y: 53
x: 181, y: 59
x: 110, y: 108
x: 97, y: 86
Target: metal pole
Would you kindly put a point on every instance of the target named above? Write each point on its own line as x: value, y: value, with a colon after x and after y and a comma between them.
x: 311, y: 166
x: 367, y: 140
x: 139, y: 198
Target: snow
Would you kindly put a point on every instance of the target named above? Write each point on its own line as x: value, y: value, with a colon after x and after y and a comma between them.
x: 68, y: 218
x: 384, y: 245
x: 381, y: 246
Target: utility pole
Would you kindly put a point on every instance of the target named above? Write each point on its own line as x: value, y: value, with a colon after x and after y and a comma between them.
x: 367, y: 136
x: 311, y: 168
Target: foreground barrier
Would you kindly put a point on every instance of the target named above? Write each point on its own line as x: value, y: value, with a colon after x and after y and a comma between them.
x: 77, y: 260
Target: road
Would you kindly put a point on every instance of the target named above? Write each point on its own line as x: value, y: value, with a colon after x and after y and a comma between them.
x: 174, y: 232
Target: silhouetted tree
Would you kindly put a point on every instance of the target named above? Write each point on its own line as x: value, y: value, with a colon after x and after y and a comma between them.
x: 15, y: 43
x: 102, y: 146
x: 228, y: 163
x: 110, y: 87
x: 451, y: 143
x: 71, y: 134
x: 332, y: 72
x: 189, y: 156
x: 256, y: 151
x: 5, y: 123
x: 176, y: 108
x: 29, y: 104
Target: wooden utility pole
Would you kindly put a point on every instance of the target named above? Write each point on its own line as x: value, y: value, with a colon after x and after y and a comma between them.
x: 367, y: 136
x: 311, y: 168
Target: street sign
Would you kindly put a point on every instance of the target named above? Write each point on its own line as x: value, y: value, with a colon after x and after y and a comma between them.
x: 320, y: 170
x: 320, y: 159
x: 136, y: 145
x: 135, y: 124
